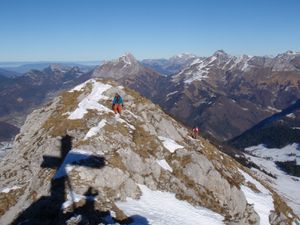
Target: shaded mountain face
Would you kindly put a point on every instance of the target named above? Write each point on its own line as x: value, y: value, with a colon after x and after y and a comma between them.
x: 225, y: 95
x: 22, y: 94
x: 274, y: 142
x: 7, y: 131
x: 170, y: 66
x: 80, y: 163
x: 276, y: 131
x: 7, y: 73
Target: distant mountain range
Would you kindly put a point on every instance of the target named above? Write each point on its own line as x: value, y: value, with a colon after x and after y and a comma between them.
x: 224, y: 95
x: 20, y: 68
x: 170, y: 66
x: 8, y: 73
x: 20, y: 95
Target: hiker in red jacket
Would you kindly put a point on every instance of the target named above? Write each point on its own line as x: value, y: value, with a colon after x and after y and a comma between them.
x: 195, y: 132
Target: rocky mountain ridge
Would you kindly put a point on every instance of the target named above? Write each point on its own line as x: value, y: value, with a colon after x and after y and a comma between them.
x: 80, y: 163
x: 170, y: 66
x: 225, y: 95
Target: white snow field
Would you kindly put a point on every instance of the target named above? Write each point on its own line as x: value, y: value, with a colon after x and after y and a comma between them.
x: 287, y: 186
x: 161, y: 208
x: 263, y: 202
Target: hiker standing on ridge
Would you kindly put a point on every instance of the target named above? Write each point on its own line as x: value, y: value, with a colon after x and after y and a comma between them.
x: 195, y: 132
x: 117, y: 104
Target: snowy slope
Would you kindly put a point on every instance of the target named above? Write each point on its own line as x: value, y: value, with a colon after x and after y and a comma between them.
x: 288, y: 186
x: 161, y: 208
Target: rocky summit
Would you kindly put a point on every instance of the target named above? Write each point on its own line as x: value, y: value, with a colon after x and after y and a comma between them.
x: 76, y: 162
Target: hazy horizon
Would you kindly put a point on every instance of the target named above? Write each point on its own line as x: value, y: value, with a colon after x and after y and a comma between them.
x: 21, y: 62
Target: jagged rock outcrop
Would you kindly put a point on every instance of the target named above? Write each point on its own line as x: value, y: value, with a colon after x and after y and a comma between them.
x: 75, y: 160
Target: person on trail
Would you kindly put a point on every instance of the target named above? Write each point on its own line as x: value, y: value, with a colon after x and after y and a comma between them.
x: 195, y: 132
x: 117, y: 104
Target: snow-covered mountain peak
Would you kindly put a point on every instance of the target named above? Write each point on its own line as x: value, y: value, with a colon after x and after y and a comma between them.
x: 288, y: 61
x: 127, y: 58
x: 290, y: 52
x: 183, y: 56
x: 124, y: 66
x: 221, y: 53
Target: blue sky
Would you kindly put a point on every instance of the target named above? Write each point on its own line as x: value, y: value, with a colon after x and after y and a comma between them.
x: 35, y: 30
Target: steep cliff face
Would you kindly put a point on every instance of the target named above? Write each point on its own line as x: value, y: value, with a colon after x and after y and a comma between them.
x: 76, y: 162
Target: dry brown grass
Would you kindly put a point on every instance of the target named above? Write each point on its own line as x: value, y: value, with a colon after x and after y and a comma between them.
x: 184, y: 160
x: 145, y: 143
x: 252, y: 187
x: 58, y: 124
x: 9, y: 199
x: 281, y: 207
x: 116, y: 161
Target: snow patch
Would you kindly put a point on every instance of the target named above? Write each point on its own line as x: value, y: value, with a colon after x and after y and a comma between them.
x: 161, y: 208
x: 75, y: 155
x: 72, y: 197
x: 287, y: 153
x: 273, y: 109
x: 291, y: 115
x: 119, y: 119
x: 170, y: 144
x: 287, y: 186
x: 171, y: 93
x: 7, y: 190
x: 94, y: 130
x: 132, y: 114
x: 163, y: 163
x: 81, y: 86
x: 196, y: 61
x: 263, y: 202
x: 5, y: 147
x: 91, y: 101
